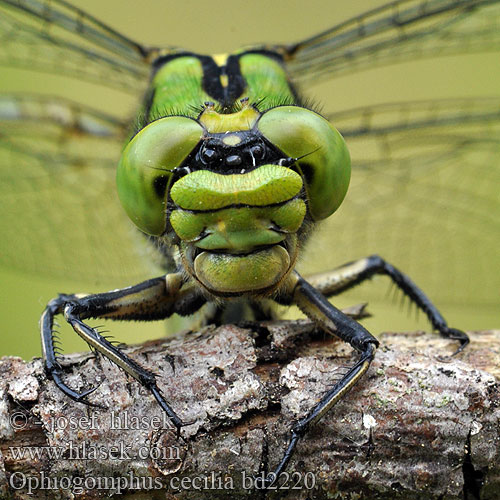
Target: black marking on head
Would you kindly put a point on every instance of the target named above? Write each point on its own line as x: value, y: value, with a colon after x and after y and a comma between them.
x: 160, y: 186
x: 211, y: 78
x: 148, y: 102
x: 159, y: 62
x: 250, y: 152
x: 225, y: 96
x: 211, y: 73
x: 236, y: 83
x: 307, y: 171
x: 209, y: 155
x: 172, y: 206
x: 265, y: 52
x: 233, y: 161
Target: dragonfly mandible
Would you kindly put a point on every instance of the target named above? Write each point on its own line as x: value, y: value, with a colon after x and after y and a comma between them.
x: 68, y: 154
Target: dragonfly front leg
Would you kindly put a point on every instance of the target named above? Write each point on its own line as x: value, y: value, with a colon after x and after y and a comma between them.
x: 334, y: 321
x: 353, y: 273
x: 151, y: 300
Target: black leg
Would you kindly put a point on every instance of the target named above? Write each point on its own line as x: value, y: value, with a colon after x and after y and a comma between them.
x: 153, y: 299
x: 334, y: 321
x: 353, y: 273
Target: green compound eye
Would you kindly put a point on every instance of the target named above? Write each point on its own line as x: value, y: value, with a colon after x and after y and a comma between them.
x: 145, y: 169
x: 326, y: 164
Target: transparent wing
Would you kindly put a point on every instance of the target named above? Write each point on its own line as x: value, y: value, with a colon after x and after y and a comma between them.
x: 403, y: 30
x: 425, y: 195
x: 55, y: 37
x: 60, y: 211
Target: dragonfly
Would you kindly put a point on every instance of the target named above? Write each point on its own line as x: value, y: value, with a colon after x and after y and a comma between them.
x: 234, y: 128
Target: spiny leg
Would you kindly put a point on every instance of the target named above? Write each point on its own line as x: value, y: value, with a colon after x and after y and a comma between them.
x: 334, y: 321
x: 151, y: 300
x: 52, y: 367
x: 353, y: 273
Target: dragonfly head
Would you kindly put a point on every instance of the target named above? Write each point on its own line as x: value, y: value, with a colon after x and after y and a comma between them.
x: 236, y: 193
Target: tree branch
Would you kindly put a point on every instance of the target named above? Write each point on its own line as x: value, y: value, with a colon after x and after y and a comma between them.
x: 418, y: 425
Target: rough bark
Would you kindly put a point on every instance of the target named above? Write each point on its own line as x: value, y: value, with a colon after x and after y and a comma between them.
x: 418, y: 425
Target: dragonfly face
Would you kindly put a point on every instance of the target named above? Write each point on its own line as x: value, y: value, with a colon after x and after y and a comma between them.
x: 235, y: 190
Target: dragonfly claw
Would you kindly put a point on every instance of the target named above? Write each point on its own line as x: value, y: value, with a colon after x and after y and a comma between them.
x: 455, y: 334
x: 79, y: 397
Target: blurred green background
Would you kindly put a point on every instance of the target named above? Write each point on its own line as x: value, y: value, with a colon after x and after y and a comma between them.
x: 214, y: 27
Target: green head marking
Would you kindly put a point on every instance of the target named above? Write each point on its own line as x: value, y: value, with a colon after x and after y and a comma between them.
x: 239, y: 229
x: 237, y: 274
x: 145, y: 169
x: 178, y: 86
x: 265, y: 77
x: 206, y: 190
x: 323, y: 157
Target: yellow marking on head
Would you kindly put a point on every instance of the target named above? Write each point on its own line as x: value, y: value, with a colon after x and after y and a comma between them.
x: 231, y: 140
x: 222, y: 227
x: 224, y: 80
x: 217, y: 123
x: 220, y: 59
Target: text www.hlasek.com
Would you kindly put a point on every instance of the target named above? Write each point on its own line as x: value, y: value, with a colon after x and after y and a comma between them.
x: 120, y: 484
x: 86, y: 451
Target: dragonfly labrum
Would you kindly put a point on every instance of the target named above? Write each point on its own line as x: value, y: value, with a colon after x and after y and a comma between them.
x: 227, y: 168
